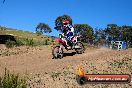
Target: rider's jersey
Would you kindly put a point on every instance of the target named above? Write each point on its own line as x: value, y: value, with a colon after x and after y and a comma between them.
x: 70, y: 31
x: 71, y: 28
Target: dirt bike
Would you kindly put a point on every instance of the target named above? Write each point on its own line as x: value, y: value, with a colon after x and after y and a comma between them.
x: 75, y: 44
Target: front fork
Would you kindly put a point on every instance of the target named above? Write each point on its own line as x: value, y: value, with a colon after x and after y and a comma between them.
x: 60, y: 48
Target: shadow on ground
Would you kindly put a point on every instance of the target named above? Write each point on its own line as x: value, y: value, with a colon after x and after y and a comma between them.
x: 69, y: 54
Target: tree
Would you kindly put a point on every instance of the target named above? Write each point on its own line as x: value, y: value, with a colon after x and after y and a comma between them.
x: 85, y: 31
x: 127, y: 33
x: 112, y: 26
x: 43, y: 28
x: 59, y: 20
x: 113, y: 31
x: 120, y: 33
x: 100, y: 37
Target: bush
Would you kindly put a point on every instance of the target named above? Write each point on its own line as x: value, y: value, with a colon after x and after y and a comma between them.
x: 26, y: 41
x: 9, y: 80
x: 2, y: 28
x: 30, y: 42
x: 40, y: 43
x: 39, y: 33
x: 46, y: 42
x: 22, y: 41
x: 52, y: 40
x: 10, y: 43
x: 19, y: 42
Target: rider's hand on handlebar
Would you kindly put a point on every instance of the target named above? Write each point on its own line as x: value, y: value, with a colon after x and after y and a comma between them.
x: 63, y: 34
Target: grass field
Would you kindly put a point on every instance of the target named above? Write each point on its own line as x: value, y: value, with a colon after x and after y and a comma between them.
x: 25, y: 36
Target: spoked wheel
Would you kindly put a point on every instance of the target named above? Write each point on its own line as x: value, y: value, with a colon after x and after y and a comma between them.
x: 57, y: 52
x: 80, y: 48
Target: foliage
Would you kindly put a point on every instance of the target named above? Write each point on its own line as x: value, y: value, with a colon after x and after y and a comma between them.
x: 2, y: 28
x: 19, y: 42
x: 10, y: 43
x: 127, y: 34
x: 39, y: 33
x: 43, y: 28
x: 29, y: 42
x: 59, y: 20
x: 21, y: 33
x: 113, y: 32
x: 99, y: 37
x: 85, y: 31
x: 24, y: 37
x: 52, y: 40
x: 46, y: 42
x: 9, y: 80
x: 25, y: 41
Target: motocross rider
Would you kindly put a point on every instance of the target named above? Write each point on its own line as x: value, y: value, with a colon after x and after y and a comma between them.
x: 68, y: 31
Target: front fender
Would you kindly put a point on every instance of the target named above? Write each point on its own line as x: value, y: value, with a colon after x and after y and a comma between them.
x: 59, y: 40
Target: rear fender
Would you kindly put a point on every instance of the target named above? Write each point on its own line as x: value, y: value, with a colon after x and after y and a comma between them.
x: 75, y: 39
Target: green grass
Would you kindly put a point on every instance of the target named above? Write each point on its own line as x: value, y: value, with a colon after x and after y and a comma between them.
x: 26, y: 41
x: 9, y: 80
x: 10, y: 44
x: 25, y: 38
x: 21, y: 34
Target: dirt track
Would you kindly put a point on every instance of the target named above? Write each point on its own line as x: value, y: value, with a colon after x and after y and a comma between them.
x: 38, y: 60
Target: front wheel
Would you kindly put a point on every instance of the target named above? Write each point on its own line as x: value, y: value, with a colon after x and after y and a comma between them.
x: 57, y: 52
x: 79, y: 48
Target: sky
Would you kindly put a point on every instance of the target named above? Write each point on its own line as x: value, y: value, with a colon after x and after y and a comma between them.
x: 26, y: 14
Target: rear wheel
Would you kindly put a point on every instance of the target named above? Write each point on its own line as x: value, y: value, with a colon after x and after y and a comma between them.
x: 57, y: 52
x: 80, y: 48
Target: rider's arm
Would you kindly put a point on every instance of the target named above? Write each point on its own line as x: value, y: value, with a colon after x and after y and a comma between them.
x: 72, y: 29
x: 63, y: 33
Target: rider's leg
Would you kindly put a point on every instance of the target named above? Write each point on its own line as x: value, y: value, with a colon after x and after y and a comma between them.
x: 66, y: 42
x: 70, y: 38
